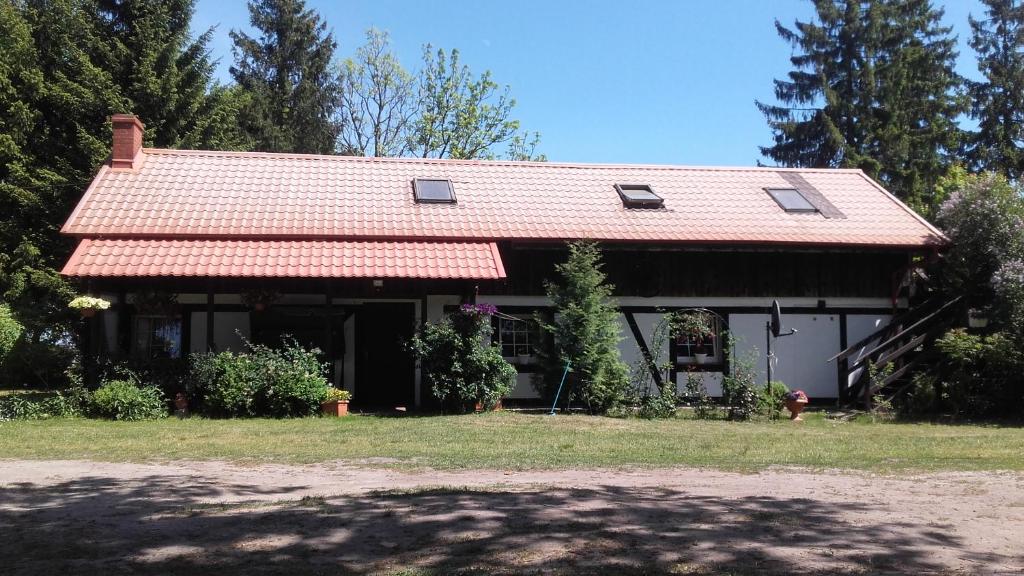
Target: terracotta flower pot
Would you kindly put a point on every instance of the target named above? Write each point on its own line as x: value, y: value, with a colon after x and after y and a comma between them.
x: 87, y: 312
x: 795, y: 407
x: 335, y: 408
x: 259, y: 306
x: 479, y: 407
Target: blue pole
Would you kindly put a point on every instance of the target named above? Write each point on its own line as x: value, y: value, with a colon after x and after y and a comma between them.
x: 559, y: 393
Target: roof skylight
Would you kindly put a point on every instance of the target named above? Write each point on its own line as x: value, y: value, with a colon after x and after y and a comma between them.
x: 639, y: 196
x: 433, y: 191
x: 791, y: 200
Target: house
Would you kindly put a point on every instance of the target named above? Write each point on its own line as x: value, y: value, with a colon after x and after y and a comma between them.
x: 351, y: 254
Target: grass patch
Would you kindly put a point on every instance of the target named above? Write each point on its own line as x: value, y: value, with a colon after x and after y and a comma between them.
x: 521, y: 442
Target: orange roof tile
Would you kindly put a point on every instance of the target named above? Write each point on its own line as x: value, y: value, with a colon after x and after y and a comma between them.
x: 198, y: 194
x: 284, y: 259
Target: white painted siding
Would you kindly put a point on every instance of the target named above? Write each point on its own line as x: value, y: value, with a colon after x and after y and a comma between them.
x: 228, y: 330
x: 801, y: 357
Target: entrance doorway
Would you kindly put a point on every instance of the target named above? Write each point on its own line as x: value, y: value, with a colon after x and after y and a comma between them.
x: 385, y: 371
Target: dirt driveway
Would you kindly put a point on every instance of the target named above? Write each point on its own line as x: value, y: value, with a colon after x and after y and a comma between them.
x: 204, y: 517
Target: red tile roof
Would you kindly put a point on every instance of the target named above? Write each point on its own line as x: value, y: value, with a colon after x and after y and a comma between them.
x: 285, y: 259
x: 197, y: 194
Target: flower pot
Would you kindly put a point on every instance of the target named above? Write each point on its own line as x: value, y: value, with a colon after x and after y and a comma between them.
x: 795, y: 407
x: 335, y: 408
x: 479, y: 407
x: 87, y: 312
x: 976, y: 319
x: 259, y: 306
x: 701, y: 358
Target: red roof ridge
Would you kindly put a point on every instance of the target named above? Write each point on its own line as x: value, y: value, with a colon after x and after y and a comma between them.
x: 478, y: 162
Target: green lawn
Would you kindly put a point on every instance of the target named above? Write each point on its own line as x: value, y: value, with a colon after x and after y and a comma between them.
x: 519, y: 441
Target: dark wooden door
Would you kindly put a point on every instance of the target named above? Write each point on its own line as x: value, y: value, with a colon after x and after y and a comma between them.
x: 385, y: 370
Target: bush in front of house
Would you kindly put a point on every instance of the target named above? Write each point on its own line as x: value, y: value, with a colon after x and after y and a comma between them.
x: 42, y: 405
x: 10, y: 331
x: 127, y: 400
x: 279, y: 382
x: 460, y: 365
x: 584, y: 332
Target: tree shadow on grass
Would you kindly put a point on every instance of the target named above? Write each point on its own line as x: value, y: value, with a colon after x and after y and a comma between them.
x: 166, y: 524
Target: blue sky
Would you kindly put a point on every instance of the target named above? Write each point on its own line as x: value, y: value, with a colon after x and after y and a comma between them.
x: 661, y: 82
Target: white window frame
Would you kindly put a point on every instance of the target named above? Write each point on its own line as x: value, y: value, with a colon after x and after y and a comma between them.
x: 145, y: 350
x: 523, y: 325
x: 715, y: 354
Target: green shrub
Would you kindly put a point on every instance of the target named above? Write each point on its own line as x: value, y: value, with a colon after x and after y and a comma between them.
x: 772, y: 399
x: 126, y: 400
x: 227, y: 384
x: 40, y: 405
x: 660, y: 405
x: 981, y: 375
x: 739, y: 391
x: 10, y: 331
x: 295, y: 381
x: 277, y: 382
x: 459, y: 365
x: 695, y: 394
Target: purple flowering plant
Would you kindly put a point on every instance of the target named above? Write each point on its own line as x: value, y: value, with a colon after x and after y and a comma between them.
x: 796, y: 396
x: 481, y: 309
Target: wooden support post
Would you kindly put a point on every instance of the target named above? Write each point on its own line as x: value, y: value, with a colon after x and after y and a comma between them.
x: 209, y: 320
x: 329, y: 330
x: 124, y: 325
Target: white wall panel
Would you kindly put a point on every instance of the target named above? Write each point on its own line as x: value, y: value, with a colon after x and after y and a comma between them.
x: 801, y: 357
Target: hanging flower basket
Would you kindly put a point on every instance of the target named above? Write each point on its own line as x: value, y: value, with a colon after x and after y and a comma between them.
x: 88, y: 305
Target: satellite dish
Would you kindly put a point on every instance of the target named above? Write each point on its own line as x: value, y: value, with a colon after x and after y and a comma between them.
x: 776, y: 323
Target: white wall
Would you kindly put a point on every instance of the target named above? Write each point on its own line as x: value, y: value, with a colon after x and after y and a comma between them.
x: 226, y: 329
x: 801, y: 357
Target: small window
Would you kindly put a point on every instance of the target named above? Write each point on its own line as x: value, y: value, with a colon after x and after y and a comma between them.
x: 433, y: 191
x: 791, y: 200
x: 157, y: 337
x: 639, y: 196
x: 694, y: 349
x: 518, y: 338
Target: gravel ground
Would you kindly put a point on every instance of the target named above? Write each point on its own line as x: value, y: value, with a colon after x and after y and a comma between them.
x: 76, y: 517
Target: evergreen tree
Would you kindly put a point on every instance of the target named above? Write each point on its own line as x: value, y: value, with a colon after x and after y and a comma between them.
x: 873, y: 87
x: 54, y: 103
x: 166, y: 75
x: 997, y: 102
x: 585, y: 333
x: 286, y: 73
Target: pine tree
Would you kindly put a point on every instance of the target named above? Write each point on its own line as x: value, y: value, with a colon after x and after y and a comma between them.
x: 873, y: 87
x: 286, y: 73
x: 166, y: 75
x: 585, y: 333
x: 997, y: 102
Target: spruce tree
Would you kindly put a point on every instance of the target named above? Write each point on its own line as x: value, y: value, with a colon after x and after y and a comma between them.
x: 166, y: 75
x: 286, y: 73
x: 997, y: 101
x: 585, y: 332
x: 873, y: 87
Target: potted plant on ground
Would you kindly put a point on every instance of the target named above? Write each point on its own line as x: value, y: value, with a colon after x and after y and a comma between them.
x: 335, y: 403
x: 88, y: 305
x: 796, y: 401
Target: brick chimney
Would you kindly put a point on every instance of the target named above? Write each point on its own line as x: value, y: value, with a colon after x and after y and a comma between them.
x: 127, y: 140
